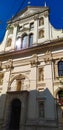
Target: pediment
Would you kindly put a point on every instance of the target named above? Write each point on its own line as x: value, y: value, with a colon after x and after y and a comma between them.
x: 28, y: 12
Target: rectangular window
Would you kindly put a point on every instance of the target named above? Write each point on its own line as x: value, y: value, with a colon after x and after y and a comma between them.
x: 41, y: 109
x: 31, y: 26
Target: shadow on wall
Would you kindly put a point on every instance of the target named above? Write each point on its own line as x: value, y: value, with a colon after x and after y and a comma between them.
x: 36, y: 109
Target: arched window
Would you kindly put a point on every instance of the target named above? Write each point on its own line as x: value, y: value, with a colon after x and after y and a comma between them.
x: 30, y: 40
x: 25, y: 41
x: 60, y: 68
x: 41, y: 33
x: 41, y: 21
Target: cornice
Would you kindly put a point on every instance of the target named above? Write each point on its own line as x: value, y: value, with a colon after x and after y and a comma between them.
x: 39, y: 49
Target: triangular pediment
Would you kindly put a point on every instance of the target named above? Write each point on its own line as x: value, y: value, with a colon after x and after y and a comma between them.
x: 28, y: 12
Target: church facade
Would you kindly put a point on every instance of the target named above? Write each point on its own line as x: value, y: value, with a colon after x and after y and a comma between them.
x: 31, y: 73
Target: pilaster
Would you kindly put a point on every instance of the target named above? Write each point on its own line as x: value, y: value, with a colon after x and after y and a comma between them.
x: 14, y: 37
x: 7, y: 70
x: 33, y: 91
x: 35, y: 30
x: 49, y: 88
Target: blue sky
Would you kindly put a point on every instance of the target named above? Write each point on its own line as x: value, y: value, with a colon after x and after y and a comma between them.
x: 9, y: 8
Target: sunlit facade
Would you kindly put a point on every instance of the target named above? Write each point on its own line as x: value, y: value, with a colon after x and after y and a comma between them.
x: 31, y: 73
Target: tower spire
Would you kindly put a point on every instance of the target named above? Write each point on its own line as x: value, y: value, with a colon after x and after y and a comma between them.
x: 45, y: 4
x: 29, y: 3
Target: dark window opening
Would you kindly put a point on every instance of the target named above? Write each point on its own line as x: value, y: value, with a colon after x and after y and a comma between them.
x: 31, y: 26
x: 41, y: 109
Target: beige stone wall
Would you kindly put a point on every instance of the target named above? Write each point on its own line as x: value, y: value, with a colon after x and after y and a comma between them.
x: 36, y: 73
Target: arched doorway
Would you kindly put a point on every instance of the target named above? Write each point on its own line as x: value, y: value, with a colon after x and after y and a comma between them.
x: 15, y: 114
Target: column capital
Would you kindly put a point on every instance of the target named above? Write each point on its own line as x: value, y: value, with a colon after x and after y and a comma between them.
x: 8, y: 64
x: 34, y: 61
x: 48, y: 57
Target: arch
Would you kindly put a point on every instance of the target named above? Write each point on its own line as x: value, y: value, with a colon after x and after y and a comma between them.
x: 23, y: 76
x: 15, y: 114
x: 23, y: 34
x: 57, y: 90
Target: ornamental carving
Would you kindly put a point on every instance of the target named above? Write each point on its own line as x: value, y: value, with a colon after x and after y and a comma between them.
x: 9, y: 64
x: 34, y: 61
x: 48, y: 57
